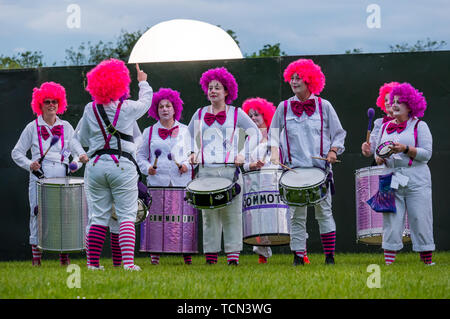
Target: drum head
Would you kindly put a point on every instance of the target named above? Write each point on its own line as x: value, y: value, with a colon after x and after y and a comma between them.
x: 302, y: 177
x: 62, y: 181
x: 208, y: 184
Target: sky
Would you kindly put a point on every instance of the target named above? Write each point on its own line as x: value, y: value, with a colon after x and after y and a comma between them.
x: 301, y: 27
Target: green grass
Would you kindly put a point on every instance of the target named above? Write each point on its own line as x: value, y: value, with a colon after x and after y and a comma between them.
x: 406, y: 278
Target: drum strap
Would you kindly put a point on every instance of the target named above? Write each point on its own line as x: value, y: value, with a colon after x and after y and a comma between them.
x: 110, y: 128
x: 415, y: 137
x: 232, y: 135
x: 321, y: 129
x: 150, y: 134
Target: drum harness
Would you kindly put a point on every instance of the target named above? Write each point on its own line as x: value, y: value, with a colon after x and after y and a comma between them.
x: 328, y: 171
x: 143, y: 192
x: 40, y: 173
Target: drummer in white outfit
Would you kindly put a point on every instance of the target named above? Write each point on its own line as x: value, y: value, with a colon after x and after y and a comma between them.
x: 310, y: 134
x: 411, y: 180
x: 112, y: 176
x: 215, y: 127
x: 383, y: 102
x: 170, y: 137
x: 48, y: 101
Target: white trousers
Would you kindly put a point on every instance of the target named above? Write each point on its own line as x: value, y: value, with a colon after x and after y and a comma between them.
x: 323, y: 215
x: 417, y: 202
x: 51, y: 169
x: 226, y: 220
x: 108, y: 184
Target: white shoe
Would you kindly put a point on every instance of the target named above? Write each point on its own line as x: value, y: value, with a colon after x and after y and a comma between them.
x: 96, y: 268
x: 132, y: 267
x: 432, y: 264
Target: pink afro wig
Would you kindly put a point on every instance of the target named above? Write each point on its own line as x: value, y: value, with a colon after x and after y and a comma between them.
x: 262, y: 106
x: 49, y: 90
x: 223, y: 76
x: 411, y: 97
x: 309, y: 72
x: 166, y: 94
x: 385, y: 89
x: 109, y: 81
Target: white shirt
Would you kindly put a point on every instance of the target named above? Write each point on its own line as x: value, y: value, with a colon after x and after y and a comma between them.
x: 304, y: 133
x: 29, y: 140
x: 89, y: 134
x: 216, y: 139
x: 167, y: 172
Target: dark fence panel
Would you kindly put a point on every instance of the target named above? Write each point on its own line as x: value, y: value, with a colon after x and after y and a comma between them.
x: 352, y: 83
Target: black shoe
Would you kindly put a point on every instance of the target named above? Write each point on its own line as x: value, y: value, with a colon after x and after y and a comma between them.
x: 329, y: 259
x: 298, y: 261
x: 210, y: 262
x: 233, y: 263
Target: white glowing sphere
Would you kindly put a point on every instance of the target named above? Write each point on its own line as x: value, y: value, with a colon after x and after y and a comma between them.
x: 184, y: 40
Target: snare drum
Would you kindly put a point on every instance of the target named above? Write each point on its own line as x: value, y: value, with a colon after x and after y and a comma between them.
x: 211, y: 192
x: 266, y: 219
x: 303, y: 186
x: 383, y: 150
x: 369, y: 223
x: 62, y: 214
x: 171, y: 225
x: 141, y: 213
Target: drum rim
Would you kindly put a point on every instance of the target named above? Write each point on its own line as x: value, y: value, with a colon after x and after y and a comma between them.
x: 303, y: 187
x: 209, y: 192
x: 41, y: 181
x: 262, y: 169
x: 267, y: 234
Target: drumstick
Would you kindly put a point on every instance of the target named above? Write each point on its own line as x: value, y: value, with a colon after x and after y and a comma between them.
x: 55, y: 138
x: 157, y: 153
x: 370, y: 114
x: 323, y: 159
x: 169, y: 156
x: 284, y: 166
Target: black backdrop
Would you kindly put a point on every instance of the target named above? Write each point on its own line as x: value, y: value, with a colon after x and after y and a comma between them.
x: 352, y: 83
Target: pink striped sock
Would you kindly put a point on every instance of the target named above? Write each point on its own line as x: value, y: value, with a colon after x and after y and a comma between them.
x: 155, y: 259
x: 115, y: 250
x: 328, y: 242
x: 64, y: 259
x: 187, y: 259
x: 37, y: 253
x: 87, y: 248
x: 211, y: 258
x: 426, y: 256
x: 300, y: 253
x: 233, y: 257
x: 127, y: 238
x: 389, y: 256
x: 96, y: 238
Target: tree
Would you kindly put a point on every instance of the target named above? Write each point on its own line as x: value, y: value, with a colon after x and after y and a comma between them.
x: 89, y: 53
x: 353, y: 51
x: 420, y: 45
x: 21, y: 60
x: 267, y: 51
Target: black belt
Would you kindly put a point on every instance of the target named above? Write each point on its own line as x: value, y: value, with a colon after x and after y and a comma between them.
x: 112, y: 151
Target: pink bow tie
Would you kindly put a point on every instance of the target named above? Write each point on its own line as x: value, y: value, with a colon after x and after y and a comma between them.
x: 219, y: 117
x: 392, y: 127
x: 164, y: 133
x: 309, y: 106
x: 56, y: 130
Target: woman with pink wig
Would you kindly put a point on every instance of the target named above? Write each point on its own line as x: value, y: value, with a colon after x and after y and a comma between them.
x: 214, y: 130
x: 169, y: 142
x: 46, y: 132
x: 307, y: 126
x: 106, y: 129
x: 383, y: 102
x: 411, y: 180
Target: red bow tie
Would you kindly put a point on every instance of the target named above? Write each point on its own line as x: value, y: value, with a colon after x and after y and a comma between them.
x: 392, y: 127
x: 219, y: 117
x: 387, y: 119
x: 309, y: 106
x: 163, y: 132
x: 56, y: 130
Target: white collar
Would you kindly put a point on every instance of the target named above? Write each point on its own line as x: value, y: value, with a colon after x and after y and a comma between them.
x: 41, y: 121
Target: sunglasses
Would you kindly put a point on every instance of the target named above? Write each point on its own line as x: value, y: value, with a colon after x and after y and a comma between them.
x: 48, y: 102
